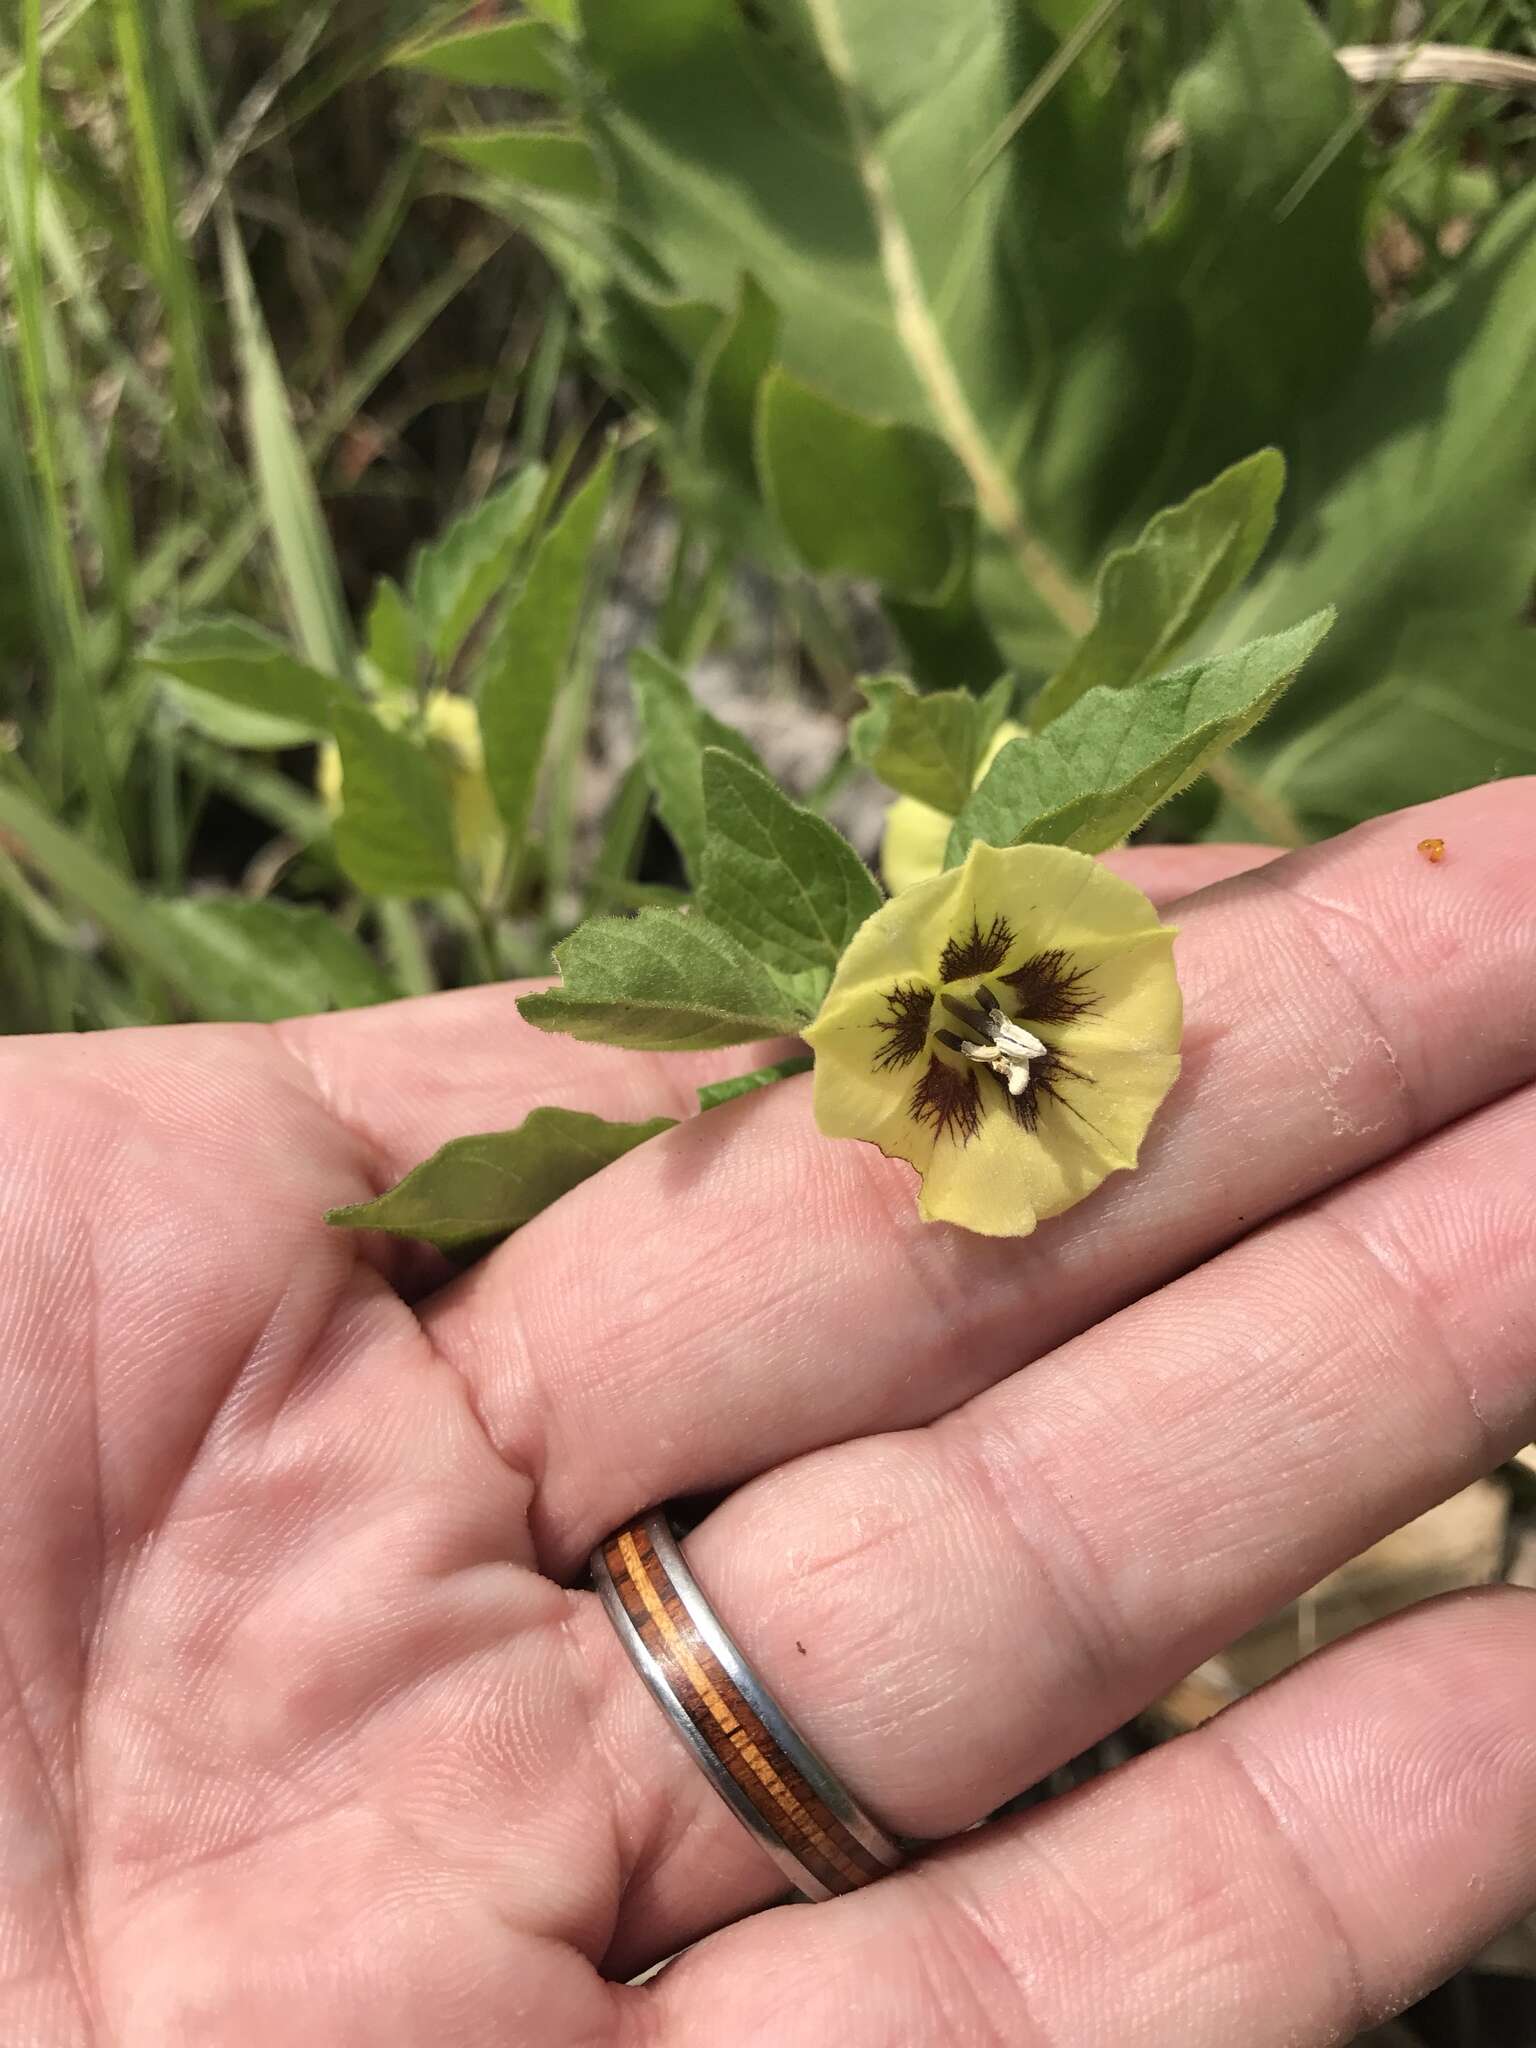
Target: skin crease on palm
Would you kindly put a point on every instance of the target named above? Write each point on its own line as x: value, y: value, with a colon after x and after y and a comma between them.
x: 310, y: 1734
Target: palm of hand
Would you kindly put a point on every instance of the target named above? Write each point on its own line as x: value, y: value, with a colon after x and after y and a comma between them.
x: 307, y: 1738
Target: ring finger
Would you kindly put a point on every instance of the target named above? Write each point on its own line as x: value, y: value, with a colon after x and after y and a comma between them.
x: 950, y: 1612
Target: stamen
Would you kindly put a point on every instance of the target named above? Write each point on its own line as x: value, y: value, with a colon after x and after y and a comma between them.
x: 966, y: 1014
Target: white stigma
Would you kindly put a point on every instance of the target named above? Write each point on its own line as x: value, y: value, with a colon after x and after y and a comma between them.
x: 1009, y: 1053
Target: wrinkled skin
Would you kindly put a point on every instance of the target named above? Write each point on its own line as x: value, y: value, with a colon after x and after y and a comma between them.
x: 310, y: 1735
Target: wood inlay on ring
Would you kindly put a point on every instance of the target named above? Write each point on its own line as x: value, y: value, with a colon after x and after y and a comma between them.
x: 790, y: 1807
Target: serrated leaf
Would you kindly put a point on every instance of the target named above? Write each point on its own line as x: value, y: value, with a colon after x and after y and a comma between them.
x: 778, y: 878
x: 858, y: 497
x: 521, y: 54
x: 929, y: 747
x: 530, y: 653
x: 1155, y: 594
x: 713, y: 1093
x: 475, y: 1191
x: 395, y: 833
x: 268, y: 959
x: 1104, y: 766
x: 243, y: 685
x: 674, y: 731
x: 456, y: 576
x: 551, y: 160
x: 664, y: 981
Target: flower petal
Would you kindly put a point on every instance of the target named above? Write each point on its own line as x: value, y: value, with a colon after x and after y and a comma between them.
x: 852, y: 1099
x: 1111, y: 1062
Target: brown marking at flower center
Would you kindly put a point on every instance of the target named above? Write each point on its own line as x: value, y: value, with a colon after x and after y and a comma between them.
x: 978, y: 952
x: 1044, y: 1074
x: 1048, y: 989
x: 949, y: 1098
x: 905, y: 1025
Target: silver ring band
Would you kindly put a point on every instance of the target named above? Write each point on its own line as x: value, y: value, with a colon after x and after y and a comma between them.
x: 746, y: 1745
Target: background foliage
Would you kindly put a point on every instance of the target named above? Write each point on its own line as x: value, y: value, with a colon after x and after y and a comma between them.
x: 969, y: 328
x: 981, y: 377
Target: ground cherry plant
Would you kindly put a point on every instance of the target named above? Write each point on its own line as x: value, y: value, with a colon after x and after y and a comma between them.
x: 1008, y: 1024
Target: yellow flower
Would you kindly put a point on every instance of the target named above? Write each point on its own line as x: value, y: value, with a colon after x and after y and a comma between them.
x: 915, y: 836
x: 1009, y: 1027
x: 452, y: 724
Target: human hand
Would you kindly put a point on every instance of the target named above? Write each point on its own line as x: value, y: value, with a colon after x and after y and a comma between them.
x: 307, y: 1738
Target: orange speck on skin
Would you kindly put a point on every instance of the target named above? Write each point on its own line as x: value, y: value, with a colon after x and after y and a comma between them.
x: 1433, y: 850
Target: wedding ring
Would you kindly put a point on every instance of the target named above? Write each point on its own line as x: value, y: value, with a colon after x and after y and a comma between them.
x: 751, y: 1752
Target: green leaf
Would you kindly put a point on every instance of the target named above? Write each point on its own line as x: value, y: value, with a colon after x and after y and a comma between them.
x: 395, y: 833
x: 1155, y: 594
x: 1104, y: 766
x: 391, y: 640
x: 522, y: 54
x: 226, y: 959
x: 1271, y: 136
x: 1081, y: 334
x: 664, y: 981
x: 674, y: 731
x: 929, y: 746
x: 778, y: 878
x: 1455, y: 707
x: 270, y: 959
x: 554, y: 161
x: 456, y: 576
x: 1410, y: 500
x: 242, y: 685
x: 856, y: 496
x: 723, y: 404
x: 713, y: 1093
x: 473, y: 1192
x: 289, y: 501
x: 531, y: 651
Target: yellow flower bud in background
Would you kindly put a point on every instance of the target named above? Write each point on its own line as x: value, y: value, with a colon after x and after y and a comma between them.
x: 452, y: 727
x: 912, y: 845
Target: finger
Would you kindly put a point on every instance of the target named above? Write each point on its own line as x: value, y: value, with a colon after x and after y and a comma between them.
x: 777, y: 1290
x: 1295, y: 1871
x: 1165, y: 873
x: 405, y: 1077
x: 950, y: 1613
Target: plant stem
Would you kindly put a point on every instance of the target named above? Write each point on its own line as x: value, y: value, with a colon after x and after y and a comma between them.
x: 405, y: 948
